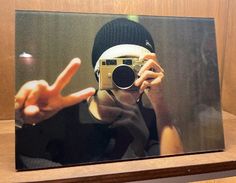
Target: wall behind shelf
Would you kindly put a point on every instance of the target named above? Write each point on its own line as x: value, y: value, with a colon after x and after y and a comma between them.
x: 7, y: 46
x: 229, y: 74
x: 221, y: 10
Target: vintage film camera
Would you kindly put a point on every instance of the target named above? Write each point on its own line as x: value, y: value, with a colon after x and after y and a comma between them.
x: 119, y: 73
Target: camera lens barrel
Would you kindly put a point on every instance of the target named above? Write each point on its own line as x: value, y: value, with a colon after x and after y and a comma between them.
x: 123, y: 76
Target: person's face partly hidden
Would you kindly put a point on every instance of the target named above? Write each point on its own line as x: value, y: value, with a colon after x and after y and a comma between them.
x: 128, y: 96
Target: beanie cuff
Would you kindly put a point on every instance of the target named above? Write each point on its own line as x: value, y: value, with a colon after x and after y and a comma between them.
x: 129, y: 50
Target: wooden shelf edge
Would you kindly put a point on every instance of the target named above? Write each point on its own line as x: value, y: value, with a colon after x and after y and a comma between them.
x: 155, y: 173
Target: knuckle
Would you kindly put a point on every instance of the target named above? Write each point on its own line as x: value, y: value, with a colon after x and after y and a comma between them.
x: 147, y: 73
x: 43, y: 83
x: 145, y: 83
x: 31, y: 84
x: 149, y: 62
x: 162, y: 77
x: 153, y: 62
x: 19, y: 98
x: 144, y: 75
x: 157, y: 81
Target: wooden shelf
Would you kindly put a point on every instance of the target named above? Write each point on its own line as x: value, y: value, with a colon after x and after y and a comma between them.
x: 121, y: 171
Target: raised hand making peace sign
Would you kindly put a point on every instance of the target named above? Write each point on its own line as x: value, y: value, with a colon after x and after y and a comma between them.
x: 37, y: 101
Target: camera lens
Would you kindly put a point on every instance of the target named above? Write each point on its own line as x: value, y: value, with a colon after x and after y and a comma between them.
x: 123, y: 76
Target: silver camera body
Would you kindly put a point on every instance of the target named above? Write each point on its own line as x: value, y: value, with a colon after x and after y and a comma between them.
x: 119, y: 73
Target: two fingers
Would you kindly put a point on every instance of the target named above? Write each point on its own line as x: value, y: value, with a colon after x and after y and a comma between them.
x: 31, y: 91
x: 64, y: 78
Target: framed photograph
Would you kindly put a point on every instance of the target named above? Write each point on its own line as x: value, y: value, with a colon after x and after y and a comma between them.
x: 96, y: 88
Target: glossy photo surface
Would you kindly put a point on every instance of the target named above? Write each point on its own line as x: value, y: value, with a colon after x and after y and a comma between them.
x: 96, y: 88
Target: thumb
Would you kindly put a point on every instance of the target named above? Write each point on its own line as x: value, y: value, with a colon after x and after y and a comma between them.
x: 31, y: 110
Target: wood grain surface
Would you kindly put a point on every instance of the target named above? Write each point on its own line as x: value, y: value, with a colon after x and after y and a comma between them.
x: 7, y: 52
x: 221, y: 180
x: 121, y: 171
x: 229, y: 74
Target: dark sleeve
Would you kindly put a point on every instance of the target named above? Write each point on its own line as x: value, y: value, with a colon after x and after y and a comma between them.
x: 150, y: 120
x: 44, y: 140
x: 153, y: 145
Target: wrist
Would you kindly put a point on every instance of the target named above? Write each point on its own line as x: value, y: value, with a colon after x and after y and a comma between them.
x: 160, y: 108
x: 156, y: 99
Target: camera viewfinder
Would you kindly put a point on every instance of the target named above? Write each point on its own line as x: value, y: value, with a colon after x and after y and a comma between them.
x: 111, y: 62
x: 127, y: 61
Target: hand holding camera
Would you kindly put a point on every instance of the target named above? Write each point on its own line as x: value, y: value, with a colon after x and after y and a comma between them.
x: 150, y: 79
x: 141, y: 74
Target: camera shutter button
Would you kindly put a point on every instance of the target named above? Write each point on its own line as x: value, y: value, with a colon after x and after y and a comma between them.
x: 109, y: 75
